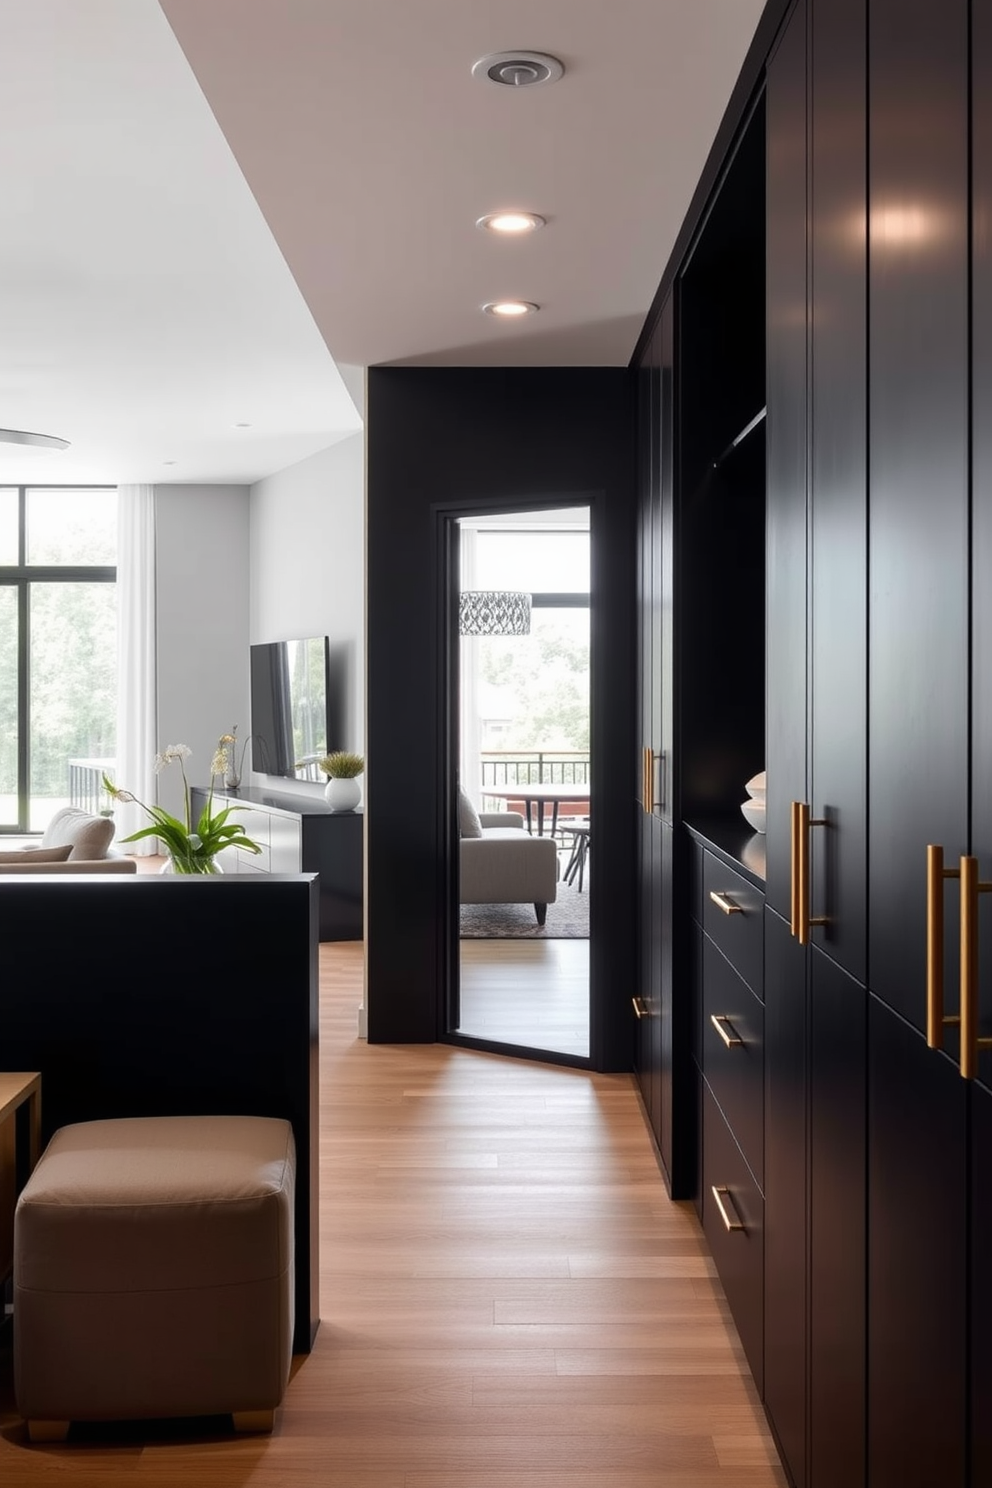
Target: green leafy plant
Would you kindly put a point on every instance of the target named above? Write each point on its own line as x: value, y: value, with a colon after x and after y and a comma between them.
x: 340, y: 765
x: 192, y: 847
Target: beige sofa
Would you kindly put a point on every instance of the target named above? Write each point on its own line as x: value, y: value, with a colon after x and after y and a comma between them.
x: 501, y: 863
x: 74, y: 842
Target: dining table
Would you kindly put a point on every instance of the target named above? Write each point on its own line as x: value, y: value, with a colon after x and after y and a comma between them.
x: 531, y: 794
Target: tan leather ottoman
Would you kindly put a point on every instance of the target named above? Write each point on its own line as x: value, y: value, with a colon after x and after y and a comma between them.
x: 153, y: 1272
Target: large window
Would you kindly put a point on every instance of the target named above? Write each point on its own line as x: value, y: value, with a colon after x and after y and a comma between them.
x: 58, y: 648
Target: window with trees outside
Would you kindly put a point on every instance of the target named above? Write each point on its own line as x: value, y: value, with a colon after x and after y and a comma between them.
x: 58, y: 648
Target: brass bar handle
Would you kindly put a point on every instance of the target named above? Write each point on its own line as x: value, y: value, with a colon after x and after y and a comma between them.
x: 801, y: 917
x: 720, y: 1194
x: 729, y: 1034
x: 795, y: 854
x: 639, y: 1009
x: 971, y: 887
x: 724, y: 902
x: 936, y: 874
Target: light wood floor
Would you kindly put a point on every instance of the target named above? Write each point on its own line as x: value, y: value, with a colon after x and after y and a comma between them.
x: 509, y: 1299
x: 530, y: 992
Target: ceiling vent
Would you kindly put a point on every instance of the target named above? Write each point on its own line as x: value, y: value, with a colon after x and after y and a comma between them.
x: 518, y: 69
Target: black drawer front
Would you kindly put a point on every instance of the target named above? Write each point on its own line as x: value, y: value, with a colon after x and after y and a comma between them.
x: 738, y: 1252
x: 735, y: 1071
x: 732, y: 916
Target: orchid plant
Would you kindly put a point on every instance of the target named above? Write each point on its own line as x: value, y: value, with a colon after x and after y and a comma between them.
x: 192, y: 847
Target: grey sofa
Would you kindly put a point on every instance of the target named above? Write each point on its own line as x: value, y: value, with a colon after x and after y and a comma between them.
x: 504, y: 864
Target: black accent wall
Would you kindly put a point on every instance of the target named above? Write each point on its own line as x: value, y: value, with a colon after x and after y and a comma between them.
x: 445, y: 442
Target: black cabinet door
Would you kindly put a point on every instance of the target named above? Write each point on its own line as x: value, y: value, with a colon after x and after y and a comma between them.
x: 980, y: 1300
x: 838, y: 497
x: 786, y: 495
x: 981, y: 657
x: 918, y: 475
x: 917, y: 1259
x: 665, y: 623
x: 785, y: 1192
x: 838, y: 1048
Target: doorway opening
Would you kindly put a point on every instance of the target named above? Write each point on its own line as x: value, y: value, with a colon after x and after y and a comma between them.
x: 525, y: 809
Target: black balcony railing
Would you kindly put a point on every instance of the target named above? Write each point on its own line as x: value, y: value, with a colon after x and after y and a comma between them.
x: 534, y: 767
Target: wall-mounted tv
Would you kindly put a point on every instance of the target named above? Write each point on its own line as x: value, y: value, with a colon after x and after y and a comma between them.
x: 291, y: 714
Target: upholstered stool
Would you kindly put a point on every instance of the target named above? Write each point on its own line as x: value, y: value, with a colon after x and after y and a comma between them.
x: 153, y: 1272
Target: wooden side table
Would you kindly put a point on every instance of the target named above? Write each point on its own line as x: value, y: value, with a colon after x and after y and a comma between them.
x: 19, y: 1091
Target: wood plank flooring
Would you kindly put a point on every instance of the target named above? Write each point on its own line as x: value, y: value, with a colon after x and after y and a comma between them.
x: 509, y: 1300
x: 530, y: 992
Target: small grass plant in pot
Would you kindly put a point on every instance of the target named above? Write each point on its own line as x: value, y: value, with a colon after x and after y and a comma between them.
x: 342, y: 791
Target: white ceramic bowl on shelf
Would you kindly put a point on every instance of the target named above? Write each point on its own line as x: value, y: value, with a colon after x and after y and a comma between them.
x: 754, y: 813
x: 756, y: 786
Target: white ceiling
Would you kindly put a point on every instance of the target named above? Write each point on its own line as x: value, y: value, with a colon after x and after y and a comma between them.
x: 147, y: 306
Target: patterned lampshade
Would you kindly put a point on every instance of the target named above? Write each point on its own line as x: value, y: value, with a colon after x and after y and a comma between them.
x: 493, y: 612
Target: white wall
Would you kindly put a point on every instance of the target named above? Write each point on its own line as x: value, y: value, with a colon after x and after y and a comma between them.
x: 202, y: 608
x: 307, y: 567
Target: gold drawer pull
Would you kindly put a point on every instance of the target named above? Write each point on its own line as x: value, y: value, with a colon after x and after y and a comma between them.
x: 639, y: 1007
x: 936, y: 874
x: 728, y: 1034
x: 720, y: 1195
x: 724, y: 902
x: 800, y: 918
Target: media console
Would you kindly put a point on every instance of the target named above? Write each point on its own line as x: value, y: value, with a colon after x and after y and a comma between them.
x: 298, y: 834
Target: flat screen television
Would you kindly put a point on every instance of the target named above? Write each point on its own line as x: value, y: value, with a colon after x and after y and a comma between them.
x: 291, y: 721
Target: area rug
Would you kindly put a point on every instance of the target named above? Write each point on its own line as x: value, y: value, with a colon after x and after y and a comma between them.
x: 568, y: 918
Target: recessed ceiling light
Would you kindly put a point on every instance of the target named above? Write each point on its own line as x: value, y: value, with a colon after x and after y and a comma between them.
x: 510, y: 309
x: 518, y: 69
x: 168, y: 462
x: 242, y: 426
x: 511, y: 222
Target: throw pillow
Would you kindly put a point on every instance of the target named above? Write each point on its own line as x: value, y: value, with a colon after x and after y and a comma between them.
x: 87, y: 836
x: 469, y: 824
x: 37, y: 855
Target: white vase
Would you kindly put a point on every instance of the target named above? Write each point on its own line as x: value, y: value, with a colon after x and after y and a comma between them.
x: 342, y: 793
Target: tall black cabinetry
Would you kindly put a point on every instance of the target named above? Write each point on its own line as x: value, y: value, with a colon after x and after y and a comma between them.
x: 662, y: 1018
x: 869, y: 1327
x: 816, y: 1041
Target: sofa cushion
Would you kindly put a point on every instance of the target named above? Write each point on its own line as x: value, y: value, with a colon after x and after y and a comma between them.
x: 37, y: 855
x: 469, y: 824
x: 87, y: 836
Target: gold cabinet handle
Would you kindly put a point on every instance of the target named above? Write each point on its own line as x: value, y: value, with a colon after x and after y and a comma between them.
x: 640, y: 1009
x: 800, y: 918
x: 729, y: 1034
x: 649, y: 798
x: 721, y: 1195
x: 724, y: 902
x: 971, y: 887
x: 936, y: 874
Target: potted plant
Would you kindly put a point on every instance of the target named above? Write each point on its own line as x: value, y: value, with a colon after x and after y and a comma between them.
x: 342, y: 768
x: 191, y: 846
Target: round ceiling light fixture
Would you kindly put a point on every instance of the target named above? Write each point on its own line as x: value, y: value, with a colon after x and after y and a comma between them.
x: 511, y: 224
x: 42, y: 441
x: 510, y: 309
x: 518, y: 69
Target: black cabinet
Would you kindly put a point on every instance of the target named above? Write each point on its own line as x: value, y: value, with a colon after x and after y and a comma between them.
x: 918, y: 467
x: 917, y: 1260
x: 873, y: 1190
x: 786, y: 1247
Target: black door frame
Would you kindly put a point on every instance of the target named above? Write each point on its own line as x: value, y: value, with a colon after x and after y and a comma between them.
x: 446, y: 517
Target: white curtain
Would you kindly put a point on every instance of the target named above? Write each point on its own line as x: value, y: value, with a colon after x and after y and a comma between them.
x: 137, y: 720
x: 470, y: 727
